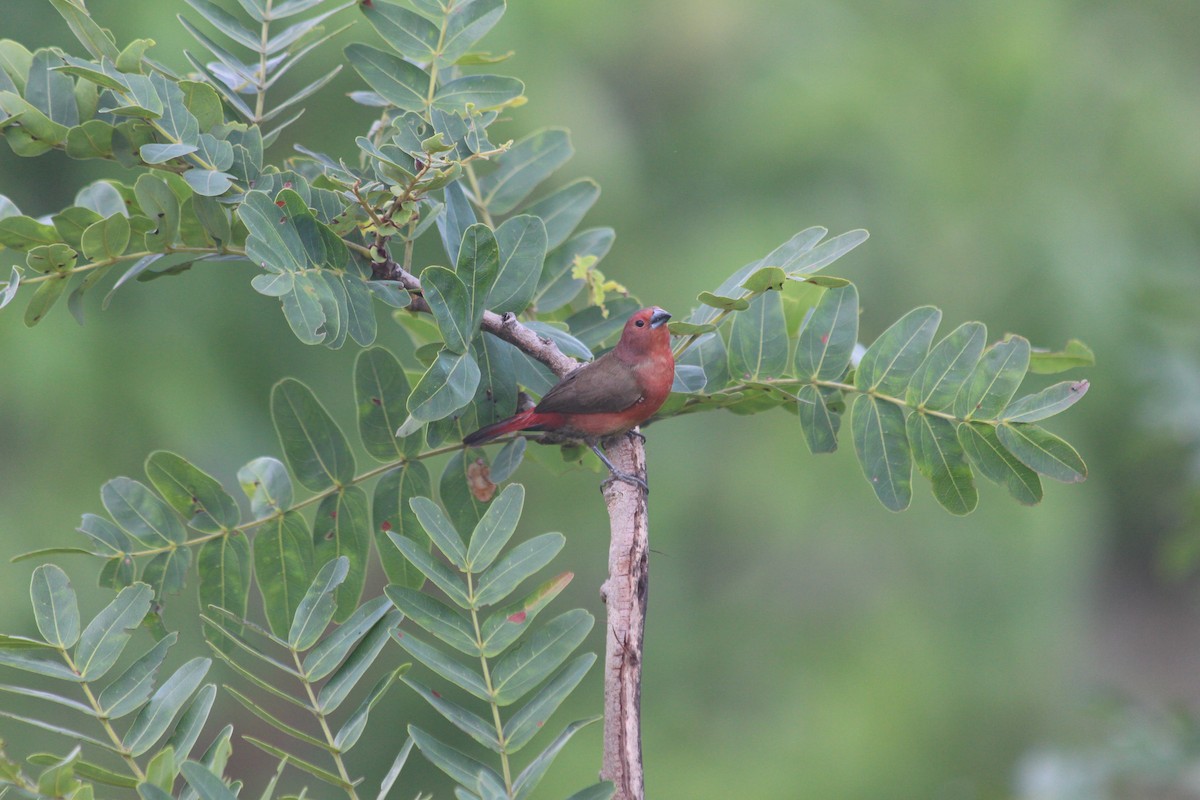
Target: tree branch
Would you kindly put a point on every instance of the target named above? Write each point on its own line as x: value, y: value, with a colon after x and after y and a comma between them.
x: 625, y: 594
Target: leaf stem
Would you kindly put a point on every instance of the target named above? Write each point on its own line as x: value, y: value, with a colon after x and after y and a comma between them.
x: 315, y: 708
x: 107, y: 262
x: 487, y: 682
x: 103, y: 720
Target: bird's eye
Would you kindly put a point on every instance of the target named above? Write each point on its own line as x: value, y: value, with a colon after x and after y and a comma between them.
x: 640, y: 323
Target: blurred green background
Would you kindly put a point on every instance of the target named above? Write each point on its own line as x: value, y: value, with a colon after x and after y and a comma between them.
x: 1033, y: 164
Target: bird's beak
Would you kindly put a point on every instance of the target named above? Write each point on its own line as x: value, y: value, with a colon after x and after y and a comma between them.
x: 659, y: 317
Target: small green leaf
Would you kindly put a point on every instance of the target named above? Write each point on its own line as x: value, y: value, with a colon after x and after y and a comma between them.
x: 315, y: 448
x: 107, y: 238
x: 350, y: 732
x: 155, y: 718
x: 265, y: 481
x: 1043, y: 452
x: 764, y: 279
x: 92, y: 139
x: 1046, y: 403
x: 563, y: 210
x: 55, y: 607
x: 432, y: 568
x: 316, y: 609
x: 889, y: 363
x: 883, y: 451
x: 803, y: 261
x: 105, y: 636
x: 436, y: 617
x: 408, y: 33
x: 477, y: 92
x: 523, y: 725
x: 1000, y: 466
x: 527, y: 163
x: 758, y: 340
x: 445, y: 666
x: 325, y: 657
x: 401, y: 83
x: 196, y: 495
x: 508, y: 460
x: 941, y: 459
x: 827, y: 339
x: 224, y: 566
x: 477, y: 267
x: 299, y: 763
x: 392, y: 514
x: 526, y: 666
x: 135, y: 685
x: 458, y: 766
x: 1075, y: 354
x: 208, y: 182
x: 22, y: 233
x: 50, y: 258
x: 818, y: 422
x: 448, y: 385
x: 37, y: 665
x: 496, y: 527
x: 207, y: 785
x: 347, y: 676
x: 505, y: 625
x: 283, y: 567
x: 466, y: 24
x: 447, y: 297
x: 722, y: 302
x: 440, y: 530
x: 274, y: 721
x: 162, y: 153
x: 162, y: 206
x: 994, y: 380
x: 167, y: 572
x: 381, y: 389
x: 98, y: 41
x: 466, y: 721
x: 941, y: 375
x: 342, y: 528
x: 518, y: 564
x: 557, y: 285
x: 528, y: 780
x: 140, y: 513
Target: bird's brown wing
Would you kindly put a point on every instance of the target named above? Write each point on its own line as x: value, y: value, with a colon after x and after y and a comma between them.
x: 604, y: 386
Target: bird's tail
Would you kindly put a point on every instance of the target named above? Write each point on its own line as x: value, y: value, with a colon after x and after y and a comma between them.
x: 523, y: 421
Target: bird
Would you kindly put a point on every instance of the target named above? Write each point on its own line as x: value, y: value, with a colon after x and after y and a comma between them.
x: 606, y: 397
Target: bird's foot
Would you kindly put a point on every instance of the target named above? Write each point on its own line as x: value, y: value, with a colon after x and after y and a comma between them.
x: 636, y: 435
x: 617, y: 475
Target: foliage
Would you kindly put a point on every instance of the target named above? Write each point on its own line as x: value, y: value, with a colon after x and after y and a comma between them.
x: 330, y: 238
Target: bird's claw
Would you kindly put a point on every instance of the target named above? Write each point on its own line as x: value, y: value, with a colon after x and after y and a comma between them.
x: 616, y: 475
x: 636, y: 435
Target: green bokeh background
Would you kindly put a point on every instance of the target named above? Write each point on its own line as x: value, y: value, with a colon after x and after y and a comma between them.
x: 1033, y: 164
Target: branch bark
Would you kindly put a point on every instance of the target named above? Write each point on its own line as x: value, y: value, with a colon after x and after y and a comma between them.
x: 625, y: 594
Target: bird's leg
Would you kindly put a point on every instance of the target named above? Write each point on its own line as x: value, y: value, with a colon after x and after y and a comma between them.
x: 616, y: 473
x: 636, y: 435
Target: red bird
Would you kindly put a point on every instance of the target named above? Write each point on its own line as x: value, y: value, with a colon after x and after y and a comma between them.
x: 611, y: 395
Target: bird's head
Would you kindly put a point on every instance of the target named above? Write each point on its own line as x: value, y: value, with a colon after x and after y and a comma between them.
x: 646, y: 331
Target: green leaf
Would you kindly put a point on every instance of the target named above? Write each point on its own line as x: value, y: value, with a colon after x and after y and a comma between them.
x: 299, y: 763
x: 805, y: 260
x: 59, y: 779
x: 317, y: 607
x: 265, y: 481
x: 523, y: 725
x: 997, y: 464
x: 1043, y: 452
x: 140, y: 513
x: 227, y: 24
x: 764, y: 279
x: 166, y: 572
x: 446, y: 295
x: 117, y: 573
x: 528, y: 780
x: 51, y: 92
x: 103, y: 197
x: 347, y: 676
x: 408, y: 33
x: 36, y: 133
x: 155, y: 718
x: 38, y: 665
x: 436, y: 617
x: 208, y: 182
x: 89, y: 771
x: 196, y: 495
x: 156, y: 153
x: 445, y: 666
x: 722, y: 302
x: 315, y: 448
x: 477, y: 267
x: 391, y: 513
x: 342, y: 528
x: 527, y: 163
x: 597, y: 791
x: 477, y: 92
x: 15, y: 61
x: 496, y: 527
x: 92, y: 139
x: 441, y: 575
x: 274, y: 721
x: 457, y: 765
x: 48, y: 697
x: 350, y: 732
x: 283, y: 567
x: 325, y: 657
x: 466, y: 721
x: 708, y: 352
x: 688, y: 329
x: 758, y: 341
x: 107, y: 238
x: 994, y: 380
x: 135, y: 685
x: 274, y: 242
x: 941, y: 375
x: 22, y: 233
x: 505, y: 625
x: 50, y: 258
x: 55, y: 607
x: 882, y: 447
x: 540, y: 654
x: 401, y: 83
x: 224, y: 569
x: 827, y: 339
x: 440, y: 530
x: 207, y: 785
x: 448, y: 385
x: 162, y: 206
x: 1075, y: 354
x: 466, y: 24
x: 507, y: 460
x: 889, y: 363
x: 98, y: 41
x: 72, y: 222
x: 381, y: 389
x: 941, y: 459
x: 563, y: 210
x: 818, y: 422
x: 1046, y: 403
x: 518, y: 564
x: 105, y: 636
